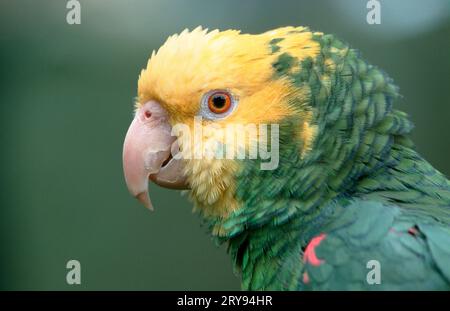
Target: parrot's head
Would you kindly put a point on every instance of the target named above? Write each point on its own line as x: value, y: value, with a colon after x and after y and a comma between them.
x: 200, y: 86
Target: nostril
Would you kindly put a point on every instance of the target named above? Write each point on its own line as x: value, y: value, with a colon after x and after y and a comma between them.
x: 147, y: 114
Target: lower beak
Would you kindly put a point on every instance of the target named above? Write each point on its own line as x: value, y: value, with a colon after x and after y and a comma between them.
x: 147, y: 153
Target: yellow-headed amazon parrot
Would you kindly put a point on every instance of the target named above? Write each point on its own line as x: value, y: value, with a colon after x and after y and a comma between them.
x: 349, y: 205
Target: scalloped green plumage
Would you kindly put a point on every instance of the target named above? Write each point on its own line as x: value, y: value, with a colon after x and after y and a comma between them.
x: 362, y: 184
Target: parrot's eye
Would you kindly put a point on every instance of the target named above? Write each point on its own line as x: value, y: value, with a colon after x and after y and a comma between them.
x: 217, y: 104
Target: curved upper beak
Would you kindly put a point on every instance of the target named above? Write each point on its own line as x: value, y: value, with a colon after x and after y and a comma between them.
x: 147, y: 153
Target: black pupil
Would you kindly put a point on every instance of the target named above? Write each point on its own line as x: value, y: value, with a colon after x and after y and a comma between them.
x: 219, y: 101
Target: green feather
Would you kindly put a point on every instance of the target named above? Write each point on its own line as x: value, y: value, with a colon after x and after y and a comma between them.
x: 362, y: 184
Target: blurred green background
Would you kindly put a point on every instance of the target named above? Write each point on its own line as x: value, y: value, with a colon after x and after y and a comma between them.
x: 66, y: 96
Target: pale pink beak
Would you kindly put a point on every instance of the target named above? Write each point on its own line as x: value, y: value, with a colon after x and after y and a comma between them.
x: 147, y: 153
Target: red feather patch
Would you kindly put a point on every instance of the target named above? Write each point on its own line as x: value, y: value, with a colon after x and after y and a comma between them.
x: 310, y: 252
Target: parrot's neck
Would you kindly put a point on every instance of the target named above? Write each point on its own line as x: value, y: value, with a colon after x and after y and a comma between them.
x: 356, y: 128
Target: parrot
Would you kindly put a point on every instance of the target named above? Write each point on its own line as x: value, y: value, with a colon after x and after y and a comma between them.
x: 349, y: 204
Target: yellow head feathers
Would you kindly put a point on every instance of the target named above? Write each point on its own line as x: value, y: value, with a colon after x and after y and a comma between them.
x: 192, y: 63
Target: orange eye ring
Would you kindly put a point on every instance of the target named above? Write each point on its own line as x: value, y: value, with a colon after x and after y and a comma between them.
x: 219, y: 102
